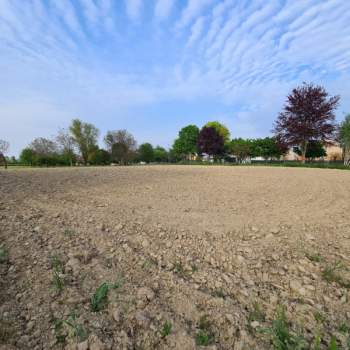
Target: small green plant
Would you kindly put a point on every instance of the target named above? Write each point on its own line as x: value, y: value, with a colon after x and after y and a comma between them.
x: 333, y: 344
x: 331, y: 274
x: 69, y: 328
x: 256, y: 314
x: 99, y: 299
x: 319, y: 317
x: 344, y: 328
x: 56, y: 263
x: 282, y: 337
x: 315, y: 257
x: 148, y: 263
x: 166, y: 329
x: 194, y: 268
x: 205, y: 336
x: 68, y: 232
x: 57, y: 281
x: 179, y: 269
x: 4, y: 255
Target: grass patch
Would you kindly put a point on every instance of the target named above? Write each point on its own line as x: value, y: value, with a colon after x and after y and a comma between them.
x: 4, y: 255
x: 314, y: 257
x: 69, y: 232
x: 204, y: 336
x: 56, y: 263
x: 256, y: 313
x: 166, y: 329
x: 57, y: 282
x: 281, y: 335
x: 331, y: 273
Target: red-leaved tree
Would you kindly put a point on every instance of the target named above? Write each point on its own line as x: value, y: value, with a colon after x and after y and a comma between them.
x: 210, y: 142
x: 308, y: 115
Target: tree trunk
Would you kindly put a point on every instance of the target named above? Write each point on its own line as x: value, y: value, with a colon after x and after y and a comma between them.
x: 303, y: 151
x: 347, y: 156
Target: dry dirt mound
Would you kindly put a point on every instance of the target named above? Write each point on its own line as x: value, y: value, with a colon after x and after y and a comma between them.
x: 174, y: 257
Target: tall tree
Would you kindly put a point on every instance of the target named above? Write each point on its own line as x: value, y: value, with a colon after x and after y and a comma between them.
x: 27, y: 156
x: 221, y: 129
x: 210, y: 142
x: 4, y: 146
x: 344, y: 136
x: 186, y: 143
x: 307, y: 115
x: 85, y: 136
x: 122, y: 146
x: 146, y: 153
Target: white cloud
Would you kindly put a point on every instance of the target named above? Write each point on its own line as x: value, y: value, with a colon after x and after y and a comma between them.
x: 193, y: 9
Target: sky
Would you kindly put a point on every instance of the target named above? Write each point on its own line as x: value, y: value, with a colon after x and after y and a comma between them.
x: 154, y: 66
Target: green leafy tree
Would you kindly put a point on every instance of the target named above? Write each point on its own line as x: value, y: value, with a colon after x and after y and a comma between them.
x: 314, y: 150
x: 267, y: 148
x: 160, y: 154
x: 221, y: 129
x: 241, y: 148
x: 186, y: 143
x: 27, y: 156
x: 146, y: 153
x: 99, y: 156
x: 344, y: 137
x: 85, y: 136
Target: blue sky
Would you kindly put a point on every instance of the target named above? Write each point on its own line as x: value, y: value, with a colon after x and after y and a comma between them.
x: 154, y: 66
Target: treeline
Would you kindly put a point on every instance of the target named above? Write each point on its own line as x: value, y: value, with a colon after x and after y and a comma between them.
x: 305, y: 125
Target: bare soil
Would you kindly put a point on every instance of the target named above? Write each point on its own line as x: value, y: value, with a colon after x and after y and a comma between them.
x: 192, y: 256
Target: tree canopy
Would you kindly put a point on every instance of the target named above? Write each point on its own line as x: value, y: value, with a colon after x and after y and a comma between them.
x: 85, y: 136
x: 344, y: 138
x: 121, y: 145
x: 186, y: 143
x: 307, y: 115
x: 146, y: 153
x: 221, y: 129
x: 210, y: 142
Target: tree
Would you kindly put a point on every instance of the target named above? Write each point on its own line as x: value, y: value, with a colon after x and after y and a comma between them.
x: 221, y: 129
x: 241, y: 148
x: 4, y: 146
x: 307, y: 115
x: 122, y: 146
x: 98, y: 156
x: 66, y: 143
x: 27, y: 156
x: 268, y: 148
x: 186, y: 143
x: 146, y: 153
x: 344, y: 137
x: 314, y: 150
x: 85, y: 136
x: 160, y: 154
x: 210, y: 142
